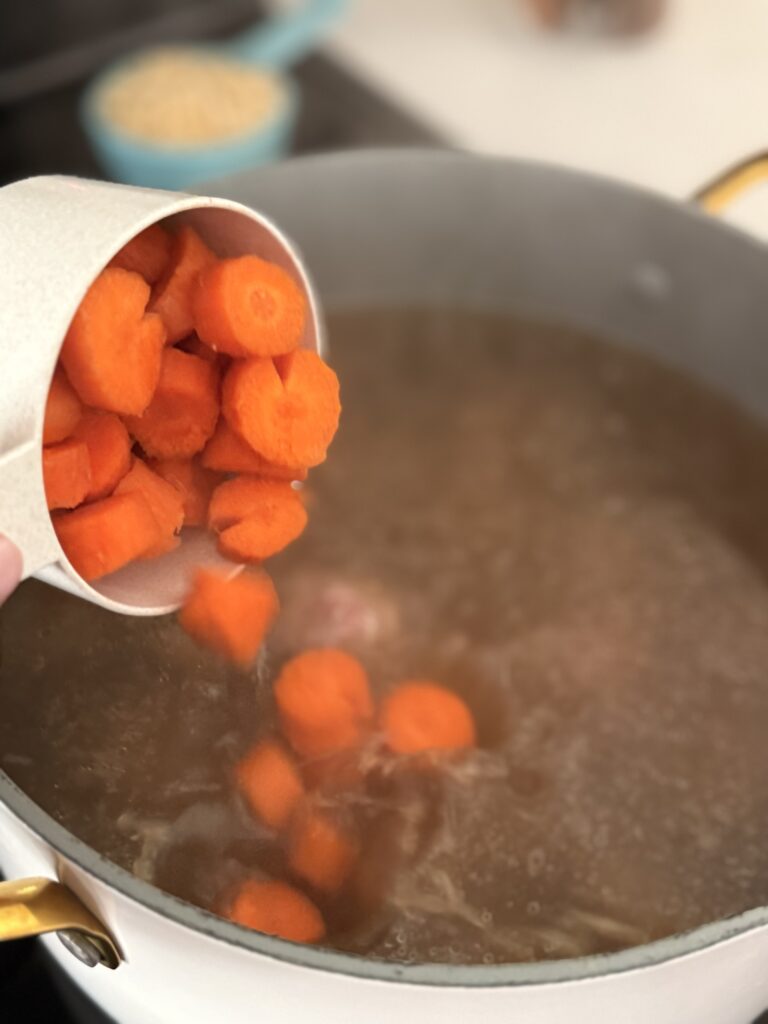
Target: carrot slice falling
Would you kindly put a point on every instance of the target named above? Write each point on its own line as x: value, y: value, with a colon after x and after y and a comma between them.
x: 248, y: 307
x: 112, y: 350
x: 250, y: 542
x: 105, y: 535
x: 230, y: 615
x: 63, y: 409
x: 66, y: 474
x: 421, y: 716
x: 228, y: 453
x: 146, y: 254
x: 270, y: 781
x: 255, y: 518
x: 276, y: 908
x: 194, y: 484
x: 172, y: 297
x: 287, y: 410
x: 319, y: 852
x: 324, y: 702
x: 183, y: 412
x: 109, y: 451
x: 165, y: 502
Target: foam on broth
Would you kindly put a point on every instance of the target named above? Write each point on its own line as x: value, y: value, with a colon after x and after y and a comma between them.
x: 570, y: 535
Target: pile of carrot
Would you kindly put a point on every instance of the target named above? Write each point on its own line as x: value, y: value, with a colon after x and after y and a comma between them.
x: 292, y: 782
x: 182, y: 398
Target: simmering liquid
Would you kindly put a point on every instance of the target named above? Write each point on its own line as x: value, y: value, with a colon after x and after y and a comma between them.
x: 571, y: 536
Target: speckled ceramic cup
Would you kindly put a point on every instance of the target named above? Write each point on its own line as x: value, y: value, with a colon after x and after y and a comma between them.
x: 56, y: 234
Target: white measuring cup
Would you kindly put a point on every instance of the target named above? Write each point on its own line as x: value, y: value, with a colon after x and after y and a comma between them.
x: 56, y: 235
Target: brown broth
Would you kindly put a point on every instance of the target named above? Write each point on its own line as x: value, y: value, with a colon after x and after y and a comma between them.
x: 573, y: 537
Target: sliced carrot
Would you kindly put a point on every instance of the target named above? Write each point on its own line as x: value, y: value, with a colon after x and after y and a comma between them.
x: 276, y: 908
x: 270, y: 781
x: 227, y: 452
x: 255, y: 518
x: 112, y: 349
x: 63, y: 409
x: 164, y: 500
x: 245, y: 496
x: 247, y: 306
x: 420, y: 716
x: 109, y: 451
x: 66, y: 474
x: 324, y: 702
x: 248, y: 543
x: 287, y: 412
x: 230, y: 615
x: 105, y: 535
x: 146, y: 254
x: 319, y: 852
x: 172, y: 296
x: 184, y: 409
x: 194, y: 484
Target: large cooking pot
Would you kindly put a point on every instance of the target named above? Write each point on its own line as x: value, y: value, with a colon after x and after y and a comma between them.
x: 431, y: 229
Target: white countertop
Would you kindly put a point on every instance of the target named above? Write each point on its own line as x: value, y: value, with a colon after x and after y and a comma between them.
x: 668, y: 111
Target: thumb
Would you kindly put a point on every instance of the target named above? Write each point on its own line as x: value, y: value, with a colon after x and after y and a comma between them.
x: 10, y: 567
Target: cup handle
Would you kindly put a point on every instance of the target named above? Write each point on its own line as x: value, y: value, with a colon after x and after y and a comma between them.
x: 717, y: 195
x: 37, y: 906
x: 284, y: 40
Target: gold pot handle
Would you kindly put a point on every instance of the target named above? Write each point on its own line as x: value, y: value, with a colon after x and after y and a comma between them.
x: 36, y: 906
x: 727, y: 187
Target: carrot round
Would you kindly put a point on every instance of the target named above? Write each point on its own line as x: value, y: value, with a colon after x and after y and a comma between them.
x: 228, y: 453
x: 183, y: 412
x: 324, y: 702
x: 255, y: 518
x: 270, y: 781
x: 66, y: 474
x: 112, y: 349
x: 165, y: 503
x: 194, y: 484
x: 172, y: 296
x: 287, y: 410
x: 146, y: 254
x: 248, y: 307
x: 276, y: 908
x: 105, y: 535
x: 319, y: 852
x: 63, y: 409
x: 109, y: 451
x: 420, y: 716
x: 230, y: 615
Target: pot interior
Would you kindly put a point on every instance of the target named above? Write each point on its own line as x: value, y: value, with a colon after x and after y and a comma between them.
x: 529, y: 502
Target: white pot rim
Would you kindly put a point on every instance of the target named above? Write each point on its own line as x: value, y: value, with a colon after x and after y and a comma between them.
x: 213, y: 927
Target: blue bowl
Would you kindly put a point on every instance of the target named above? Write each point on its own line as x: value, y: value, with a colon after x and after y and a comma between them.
x: 174, y: 167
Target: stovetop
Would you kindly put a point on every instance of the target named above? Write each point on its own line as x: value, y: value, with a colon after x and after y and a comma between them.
x: 34, y: 991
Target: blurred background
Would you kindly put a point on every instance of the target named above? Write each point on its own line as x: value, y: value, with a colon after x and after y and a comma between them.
x: 663, y: 93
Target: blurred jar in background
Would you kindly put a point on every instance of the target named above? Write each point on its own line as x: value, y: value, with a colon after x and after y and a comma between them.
x: 606, y: 17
